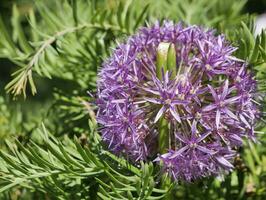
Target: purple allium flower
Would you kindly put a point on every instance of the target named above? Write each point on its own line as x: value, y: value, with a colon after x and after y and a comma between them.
x: 204, y: 106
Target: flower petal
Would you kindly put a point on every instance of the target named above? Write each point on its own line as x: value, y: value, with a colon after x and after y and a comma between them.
x: 209, y: 108
x: 243, y: 119
x: 151, y: 91
x: 179, y: 102
x: 230, y: 113
x: 152, y: 100
x: 203, y: 137
x: 159, y: 114
x: 161, y: 156
x: 214, y: 95
x: 218, y: 118
x: 194, y: 128
x: 236, y: 137
x: 179, y: 137
x: 224, y: 162
x: 232, y: 100
x: 225, y: 89
x: 205, y: 150
x: 175, y: 114
x: 180, y: 151
x: 118, y: 101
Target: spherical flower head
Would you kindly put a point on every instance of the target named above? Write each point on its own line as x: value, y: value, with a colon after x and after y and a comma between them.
x: 177, y: 95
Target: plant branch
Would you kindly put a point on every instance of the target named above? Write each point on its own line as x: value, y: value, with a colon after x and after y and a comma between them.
x: 23, y: 76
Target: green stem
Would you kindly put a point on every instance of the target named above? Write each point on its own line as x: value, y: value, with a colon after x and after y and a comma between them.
x: 163, y: 135
x: 165, y: 61
x: 171, y: 61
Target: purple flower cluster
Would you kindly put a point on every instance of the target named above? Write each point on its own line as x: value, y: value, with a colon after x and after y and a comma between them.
x: 209, y: 104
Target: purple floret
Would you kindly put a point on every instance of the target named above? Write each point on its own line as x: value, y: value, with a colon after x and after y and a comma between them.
x: 209, y: 105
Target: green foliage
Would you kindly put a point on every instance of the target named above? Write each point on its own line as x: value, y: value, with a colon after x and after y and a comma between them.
x: 216, y: 14
x: 69, y: 170
x: 18, y: 120
x: 69, y: 37
x: 56, y: 48
x: 4, y: 119
x: 251, y: 48
x: 79, y: 35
